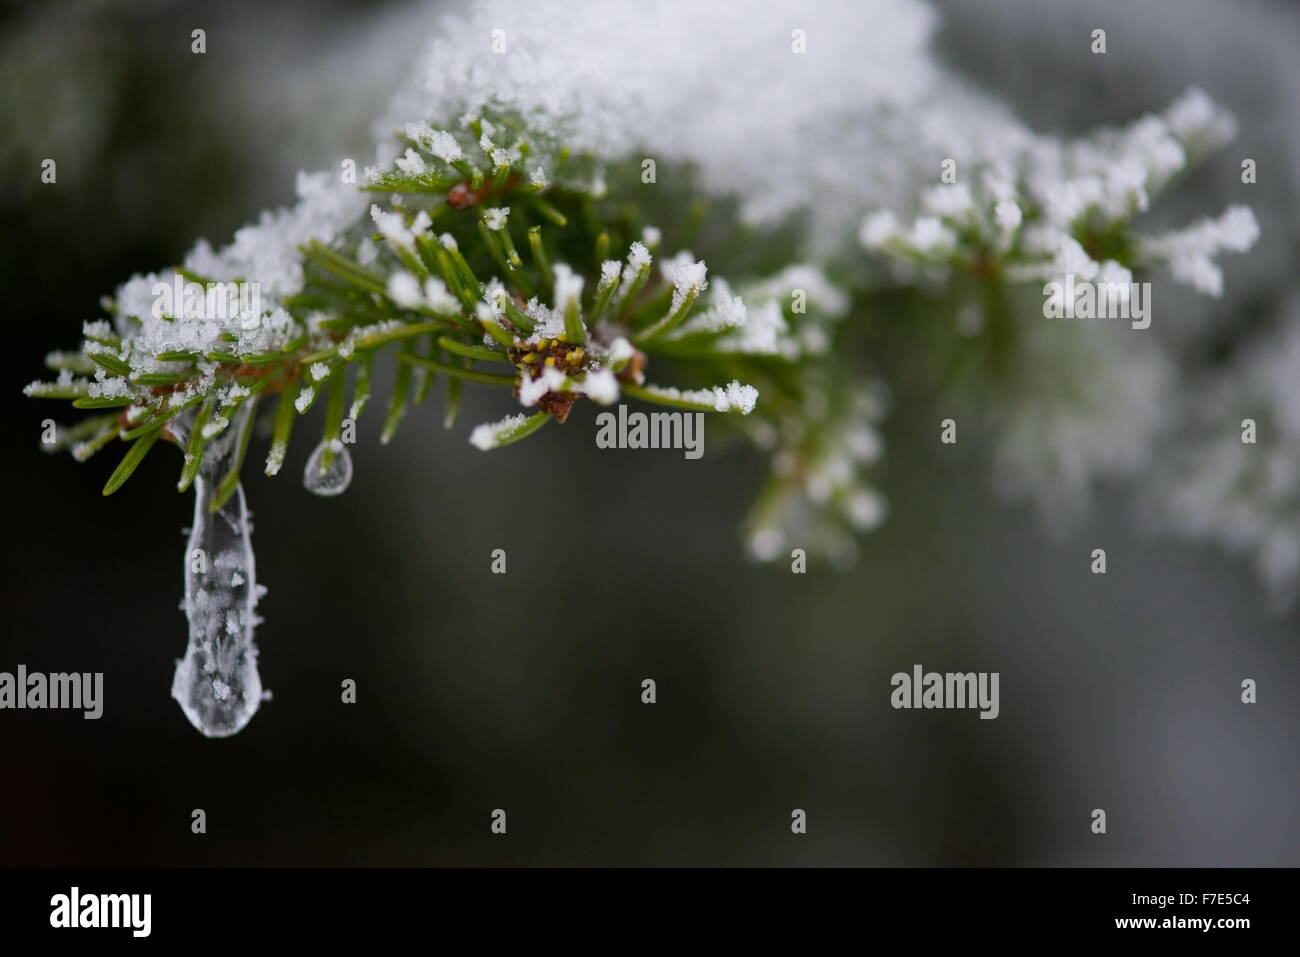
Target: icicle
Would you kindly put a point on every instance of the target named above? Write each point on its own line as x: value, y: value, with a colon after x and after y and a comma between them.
x: 333, y: 480
x: 216, y: 683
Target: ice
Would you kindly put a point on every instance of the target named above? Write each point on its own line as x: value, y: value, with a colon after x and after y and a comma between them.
x: 334, y: 480
x: 687, y: 275
x: 404, y: 289
x: 568, y: 286
x: 601, y: 386
x: 216, y: 683
x: 645, y: 83
x: 393, y: 227
x: 411, y: 164
x: 1188, y: 253
x: 439, y: 299
x: 734, y: 397
x: 490, y: 434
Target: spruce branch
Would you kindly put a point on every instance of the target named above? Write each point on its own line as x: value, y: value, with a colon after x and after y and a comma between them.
x: 496, y: 256
x: 568, y: 321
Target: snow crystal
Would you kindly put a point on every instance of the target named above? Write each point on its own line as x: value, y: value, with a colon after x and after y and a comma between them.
x: 489, y: 435
x: 726, y: 311
x: 275, y: 459
x: 216, y: 426
x: 952, y: 200
x: 620, y: 350
x: 444, y: 146
x: 646, y: 80
x: 550, y: 322
x: 1188, y: 253
x: 638, y: 257
x: 99, y: 329
x: 267, y: 251
x: 930, y: 235
x: 878, y: 228
x: 609, y: 271
x: 568, y: 286
x: 1008, y: 215
x: 439, y: 143
x: 733, y: 397
x: 440, y: 300
x: 502, y: 157
x: 404, y: 289
x: 65, y: 382
x: 686, y: 275
x: 412, y: 164
x: 601, y: 386
x: 392, y: 226
x: 110, y: 387
x: 761, y: 333
x: 1194, y: 118
x: 532, y: 388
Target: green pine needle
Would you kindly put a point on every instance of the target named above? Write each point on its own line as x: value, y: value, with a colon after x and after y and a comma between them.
x: 130, y: 462
x: 397, y: 402
x: 194, y: 448
x: 285, y: 416
x: 470, y: 375
x: 231, y: 481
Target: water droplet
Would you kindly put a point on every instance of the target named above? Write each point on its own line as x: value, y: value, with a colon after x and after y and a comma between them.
x: 333, y: 480
x: 216, y: 683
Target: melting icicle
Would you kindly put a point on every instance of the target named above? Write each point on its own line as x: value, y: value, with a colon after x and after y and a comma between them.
x: 334, y: 480
x: 216, y: 683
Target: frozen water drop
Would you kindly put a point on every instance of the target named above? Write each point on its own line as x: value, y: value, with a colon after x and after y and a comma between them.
x: 333, y: 480
x: 216, y: 683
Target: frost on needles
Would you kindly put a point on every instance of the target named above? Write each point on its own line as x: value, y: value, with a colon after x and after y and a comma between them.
x: 504, y: 237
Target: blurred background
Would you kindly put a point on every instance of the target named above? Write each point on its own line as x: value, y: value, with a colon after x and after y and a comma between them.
x: 478, y: 691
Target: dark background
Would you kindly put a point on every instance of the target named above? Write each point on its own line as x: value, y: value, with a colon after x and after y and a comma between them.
x: 522, y: 691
